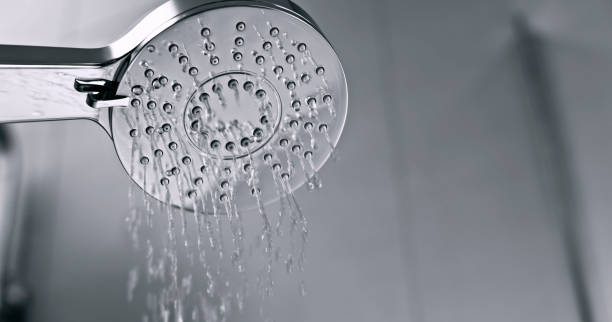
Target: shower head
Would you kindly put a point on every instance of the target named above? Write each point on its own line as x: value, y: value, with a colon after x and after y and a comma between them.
x: 206, y: 102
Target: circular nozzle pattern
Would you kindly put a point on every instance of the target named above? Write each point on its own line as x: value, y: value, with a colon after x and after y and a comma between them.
x: 235, y: 113
x: 230, y: 104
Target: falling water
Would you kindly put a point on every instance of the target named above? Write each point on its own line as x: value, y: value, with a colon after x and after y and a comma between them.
x: 211, y: 150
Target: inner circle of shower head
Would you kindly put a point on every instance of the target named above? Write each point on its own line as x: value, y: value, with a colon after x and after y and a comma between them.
x: 232, y: 115
x: 232, y: 102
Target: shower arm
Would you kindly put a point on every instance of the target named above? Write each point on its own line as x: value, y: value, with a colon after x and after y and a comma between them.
x: 82, y: 78
x: 32, y: 72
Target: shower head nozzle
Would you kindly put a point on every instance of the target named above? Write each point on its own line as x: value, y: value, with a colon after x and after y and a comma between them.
x: 212, y: 101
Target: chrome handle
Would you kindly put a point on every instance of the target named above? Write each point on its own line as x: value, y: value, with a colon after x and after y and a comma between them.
x: 38, y: 83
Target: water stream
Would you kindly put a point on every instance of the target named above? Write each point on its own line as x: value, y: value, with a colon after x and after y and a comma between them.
x: 214, y: 265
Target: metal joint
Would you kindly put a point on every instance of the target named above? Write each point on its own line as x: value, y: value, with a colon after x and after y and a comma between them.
x: 99, y: 91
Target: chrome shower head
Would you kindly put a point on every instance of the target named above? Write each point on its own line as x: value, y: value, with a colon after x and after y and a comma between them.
x: 205, y: 101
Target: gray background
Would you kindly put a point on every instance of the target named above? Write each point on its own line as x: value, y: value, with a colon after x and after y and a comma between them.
x: 442, y: 207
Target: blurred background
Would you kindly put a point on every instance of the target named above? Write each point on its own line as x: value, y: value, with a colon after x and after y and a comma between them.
x: 474, y: 181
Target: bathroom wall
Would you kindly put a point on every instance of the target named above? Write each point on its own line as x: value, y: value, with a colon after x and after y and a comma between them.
x: 438, y: 209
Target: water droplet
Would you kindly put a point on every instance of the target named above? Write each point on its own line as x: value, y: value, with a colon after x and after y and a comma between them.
x: 151, y: 48
x: 163, y: 80
x: 278, y: 70
x: 290, y: 85
x: 323, y: 128
x: 193, y: 71
x: 173, y: 48
x: 293, y: 124
x: 245, y: 142
x: 267, y: 157
x: 214, y: 60
x: 133, y: 133
x: 151, y: 105
x: 284, y: 142
x: 296, y: 148
x: 267, y: 46
x: 209, y: 46
x: 173, y: 146
x: 302, y: 289
x: 175, y: 171
x: 327, y: 99
x: 260, y: 93
x: 164, y: 181
x: 196, y: 110
x: 240, y: 26
x: 274, y: 32
x: 177, y: 87
x: 144, y: 160
x: 320, y: 70
x: 158, y: 153
x: 149, y: 73
x: 237, y: 56
x: 296, y: 105
x: 233, y: 84
x: 264, y: 120
x: 215, y: 144
x: 289, y: 265
x: 186, y: 160
x: 258, y: 133
x: 223, y: 197
x: 150, y: 130
x: 311, y: 101
x: 205, y: 32
x: 135, y: 102
x: 290, y: 59
x: 195, y: 125
x: 203, y: 169
x: 168, y: 108
x: 198, y: 181
x: 225, y: 185
x: 305, y: 78
x: 248, y: 86
x: 285, y: 176
x: 302, y: 47
x: 308, y: 126
x: 166, y: 127
x: 230, y: 146
x: 204, y: 97
x: 255, y: 191
x: 183, y: 60
x: 260, y: 60
x: 308, y: 154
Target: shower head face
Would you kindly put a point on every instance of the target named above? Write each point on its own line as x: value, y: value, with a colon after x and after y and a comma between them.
x: 234, y: 103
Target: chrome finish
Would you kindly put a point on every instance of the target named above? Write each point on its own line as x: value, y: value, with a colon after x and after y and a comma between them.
x: 94, y: 83
x: 25, y: 95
